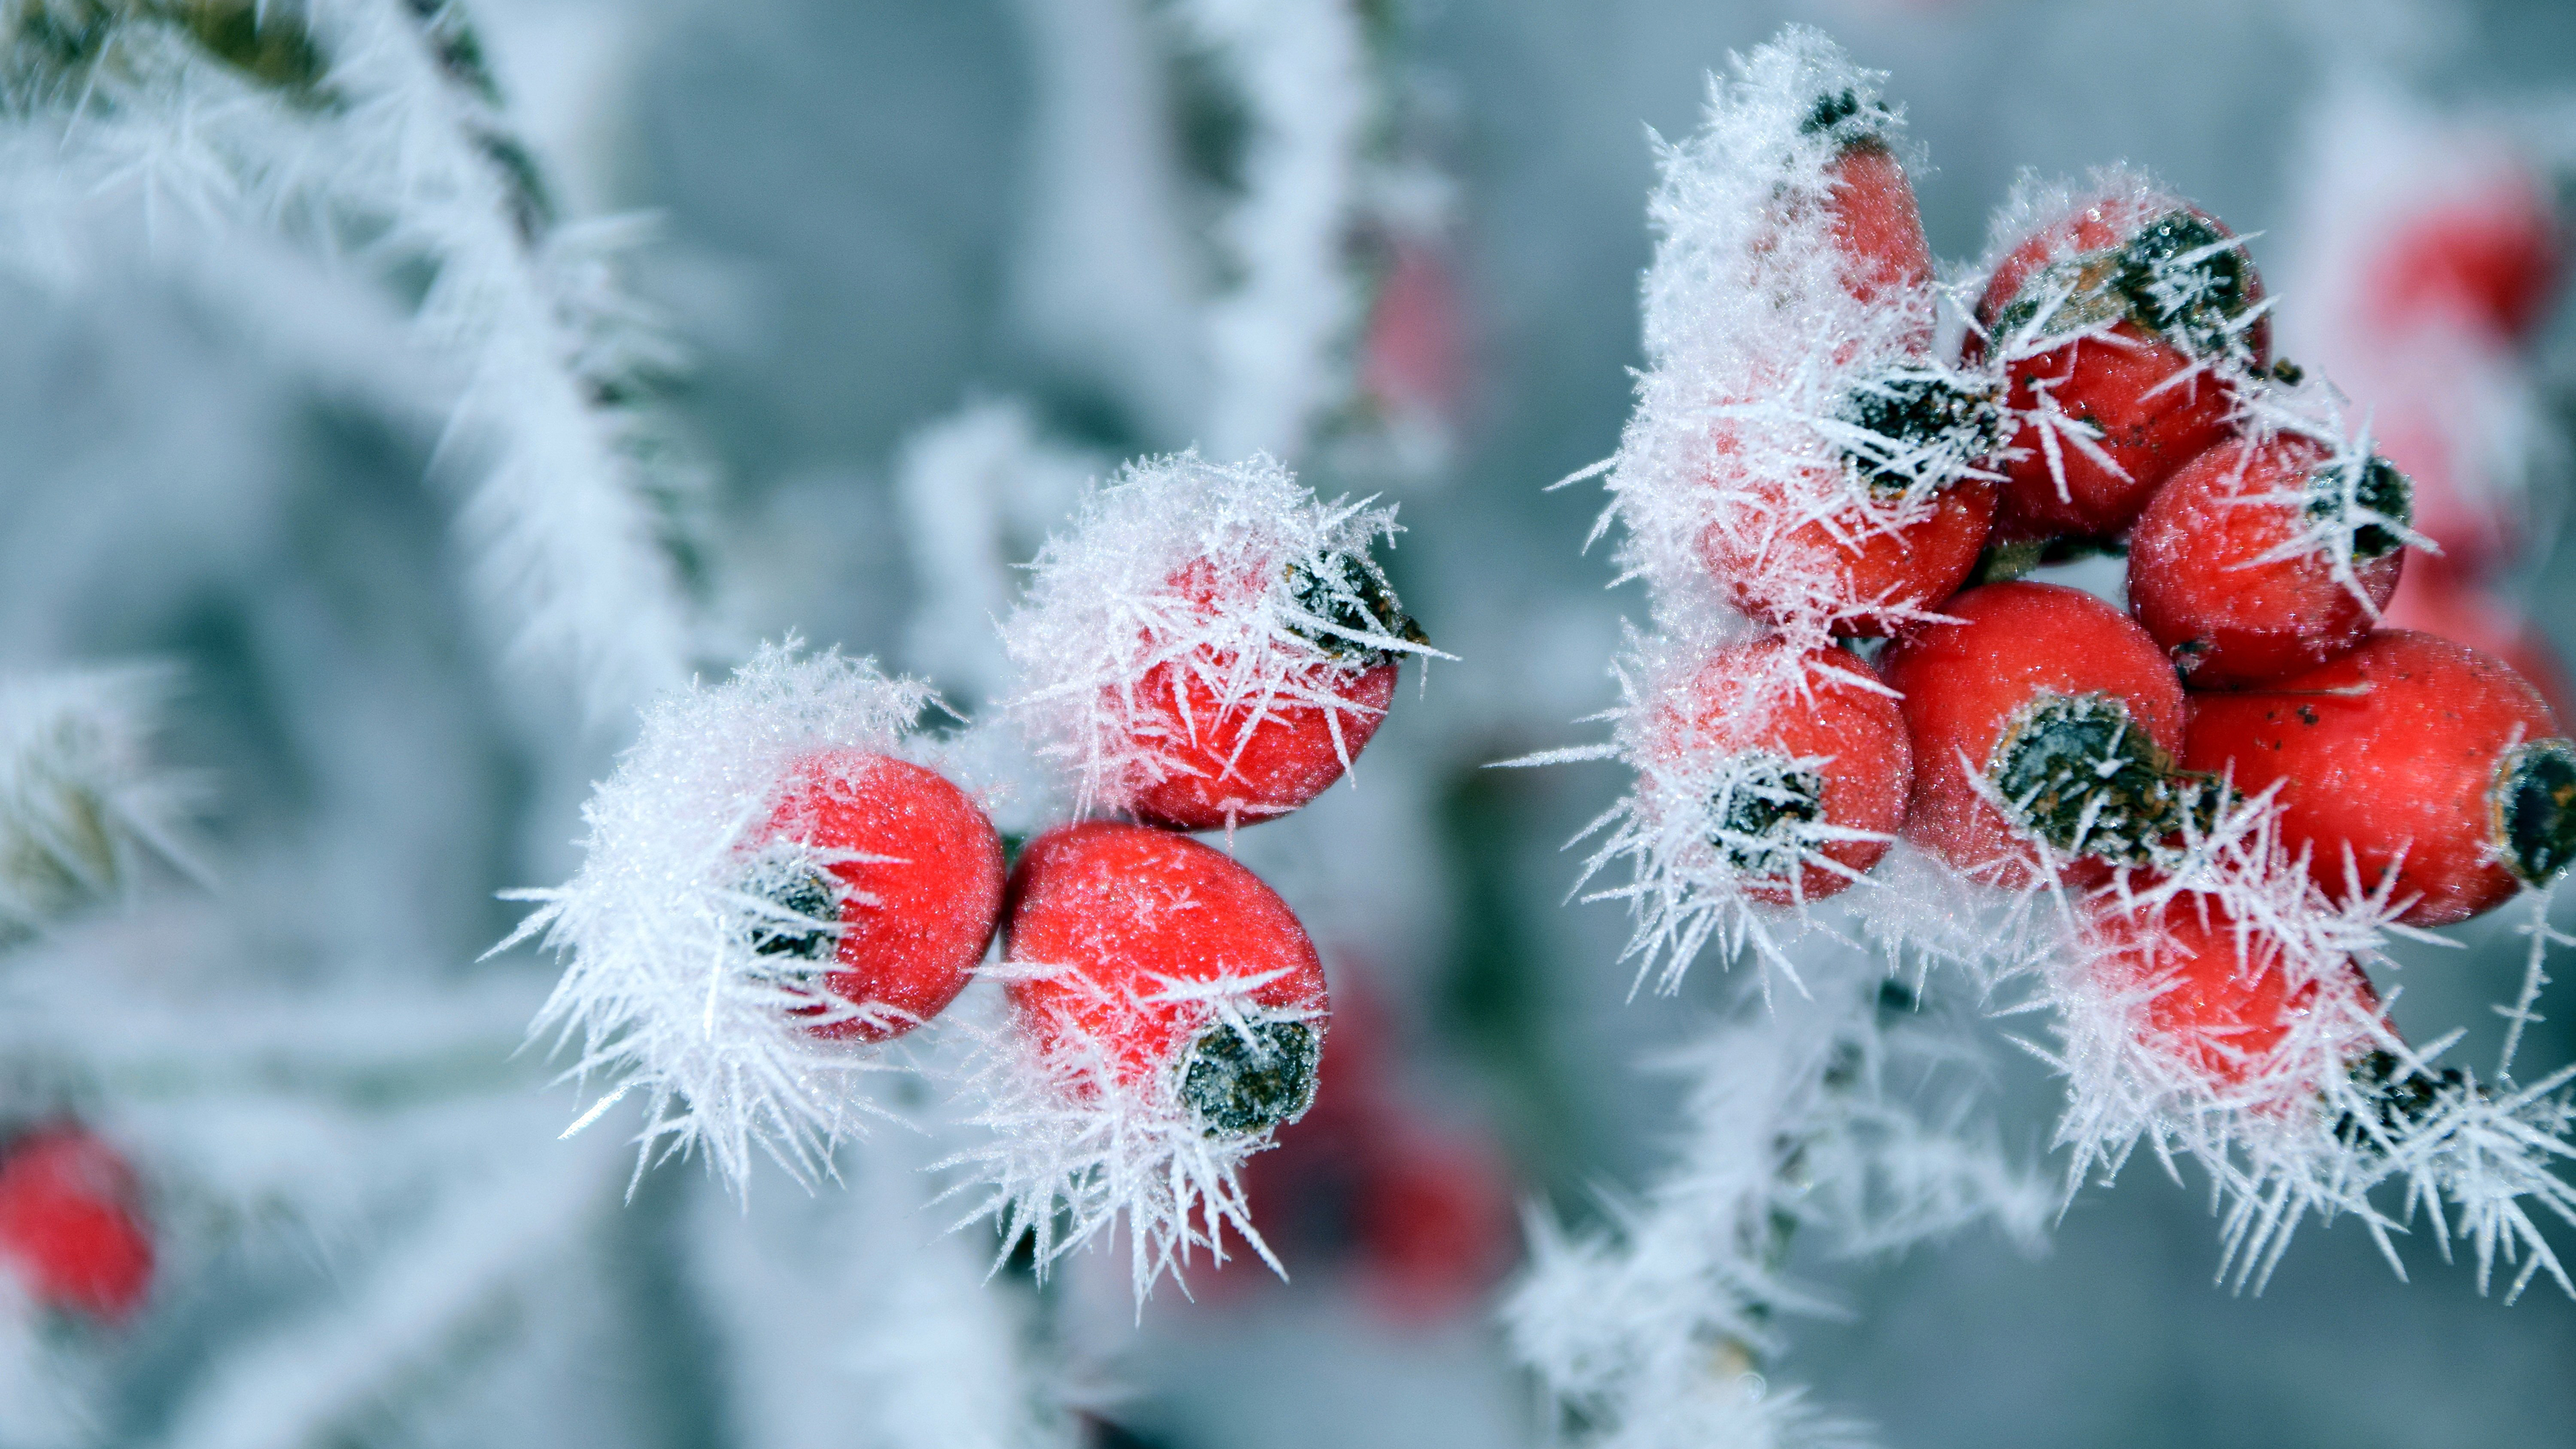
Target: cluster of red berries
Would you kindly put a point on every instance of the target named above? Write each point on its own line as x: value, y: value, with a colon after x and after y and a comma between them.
x: 2033, y: 736
x: 1119, y: 931
x: 72, y: 1230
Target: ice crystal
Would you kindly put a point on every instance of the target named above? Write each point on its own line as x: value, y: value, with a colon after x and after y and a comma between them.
x: 81, y: 802
x: 2352, y: 506
x: 1183, y: 577
x: 368, y: 134
x: 1084, y: 1142
x: 678, y: 983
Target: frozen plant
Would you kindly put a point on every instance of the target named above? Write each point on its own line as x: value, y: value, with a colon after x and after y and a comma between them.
x: 369, y: 134
x: 2002, y: 790
x: 81, y: 802
x: 676, y: 984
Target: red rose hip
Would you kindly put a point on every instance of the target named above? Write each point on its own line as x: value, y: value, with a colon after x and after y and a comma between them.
x: 70, y: 1226
x: 2223, y: 1002
x: 2054, y: 704
x: 2260, y: 559
x: 1132, y: 919
x: 2118, y: 327
x: 1877, y: 227
x: 916, y: 895
x: 1236, y: 752
x: 1802, y: 769
x: 2420, y: 757
x: 1908, y: 438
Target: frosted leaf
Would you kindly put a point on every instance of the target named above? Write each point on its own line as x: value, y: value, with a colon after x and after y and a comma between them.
x: 81, y: 802
x: 1188, y: 580
x: 1082, y: 1141
x: 679, y: 983
x: 1784, y: 421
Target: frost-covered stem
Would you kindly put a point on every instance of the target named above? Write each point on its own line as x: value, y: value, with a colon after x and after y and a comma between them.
x: 2534, y: 977
x: 853, y: 1296
x: 1652, y: 1333
x: 568, y: 538
x: 366, y: 130
x: 1273, y: 340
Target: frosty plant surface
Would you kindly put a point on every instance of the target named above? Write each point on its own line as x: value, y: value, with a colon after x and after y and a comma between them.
x: 2206, y: 977
x: 2177, y: 277
x: 1922, y: 426
x: 2076, y: 771
x: 1247, y: 1079
x: 674, y: 928
x: 2535, y: 795
x: 2365, y: 498
x: 1755, y: 815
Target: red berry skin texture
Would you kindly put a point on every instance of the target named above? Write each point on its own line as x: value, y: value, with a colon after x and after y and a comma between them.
x: 1877, y: 226
x: 915, y: 920
x: 2131, y: 386
x: 1127, y: 910
x: 2437, y: 598
x: 2206, y: 580
x: 2224, y: 1005
x: 2416, y: 754
x: 1864, y: 783
x: 1770, y: 559
x: 1252, y: 763
x: 69, y: 1225
x: 2028, y: 672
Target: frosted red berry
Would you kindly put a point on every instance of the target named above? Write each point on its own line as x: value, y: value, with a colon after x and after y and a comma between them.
x: 1129, y: 917
x: 1877, y: 227
x: 1908, y: 438
x: 2041, y: 715
x: 2222, y: 1001
x: 916, y: 905
x: 2158, y: 308
x: 2436, y: 597
x: 1784, y: 744
x: 2416, y: 755
x: 2260, y: 559
x: 71, y: 1226
x: 1235, y: 751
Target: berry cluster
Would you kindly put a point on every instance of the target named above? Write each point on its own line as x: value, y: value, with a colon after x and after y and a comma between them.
x: 1209, y: 647
x: 2210, y: 801
x: 782, y: 878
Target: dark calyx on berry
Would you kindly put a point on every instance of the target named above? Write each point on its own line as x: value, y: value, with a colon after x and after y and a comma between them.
x: 1923, y: 425
x: 1755, y: 817
x: 2077, y: 771
x: 1348, y: 606
x: 1239, y: 1080
x: 2178, y: 277
x: 1844, y: 116
x: 2342, y: 493
x: 2185, y: 278
x: 2400, y: 1100
x: 2536, y: 809
x: 801, y: 891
